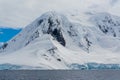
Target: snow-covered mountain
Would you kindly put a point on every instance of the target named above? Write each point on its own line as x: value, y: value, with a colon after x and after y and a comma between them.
x: 56, y: 41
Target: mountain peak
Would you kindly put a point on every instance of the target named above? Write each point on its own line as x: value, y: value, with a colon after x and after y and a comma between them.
x: 50, y: 23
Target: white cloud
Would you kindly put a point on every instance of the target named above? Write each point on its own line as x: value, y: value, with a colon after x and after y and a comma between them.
x: 19, y: 13
x: 113, y: 2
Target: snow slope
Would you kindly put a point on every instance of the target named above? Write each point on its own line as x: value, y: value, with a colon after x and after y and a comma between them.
x: 56, y: 41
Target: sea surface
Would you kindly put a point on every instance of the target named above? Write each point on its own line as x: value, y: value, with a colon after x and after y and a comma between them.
x: 60, y: 75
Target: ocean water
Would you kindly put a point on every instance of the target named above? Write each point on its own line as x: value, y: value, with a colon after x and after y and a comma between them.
x: 60, y: 75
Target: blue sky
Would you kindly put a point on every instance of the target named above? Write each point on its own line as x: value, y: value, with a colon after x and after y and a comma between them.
x: 7, y: 33
x: 19, y: 13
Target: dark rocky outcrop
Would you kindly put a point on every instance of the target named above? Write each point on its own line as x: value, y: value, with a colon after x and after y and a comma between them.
x: 56, y: 33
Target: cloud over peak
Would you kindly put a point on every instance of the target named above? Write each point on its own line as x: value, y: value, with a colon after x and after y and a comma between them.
x: 19, y: 13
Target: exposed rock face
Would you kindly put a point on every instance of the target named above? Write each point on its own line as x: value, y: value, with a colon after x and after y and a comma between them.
x: 56, y: 32
x: 108, y: 24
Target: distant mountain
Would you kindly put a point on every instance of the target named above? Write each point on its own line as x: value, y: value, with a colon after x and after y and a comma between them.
x: 55, y: 41
x: 7, y: 33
